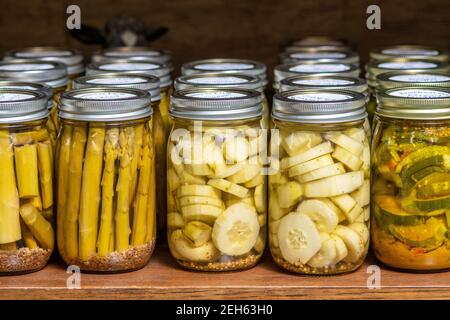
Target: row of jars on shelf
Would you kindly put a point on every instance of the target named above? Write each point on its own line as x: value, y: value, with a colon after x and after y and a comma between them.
x: 203, y: 187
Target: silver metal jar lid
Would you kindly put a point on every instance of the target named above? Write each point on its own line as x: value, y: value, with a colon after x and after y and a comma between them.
x: 311, y: 54
x: 309, y: 68
x: 121, y: 80
x: 331, y: 82
x: 20, y: 105
x: 242, y: 66
x: 162, y: 71
x: 132, y: 53
x: 105, y: 104
x: 216, y: 104
x: 51, y: 73
x: 219, y: 81
x: 411, y: 78
x: 318, y: 40
x: 409, y: 51
x: 34, y: 86
x: 416, y: 103
x: 319, y: 106
x: 71, y: 58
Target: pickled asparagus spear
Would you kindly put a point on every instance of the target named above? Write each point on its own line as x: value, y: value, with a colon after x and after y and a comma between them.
x: 105, y: 243
x: 73, y: 202
x: 40, y: 228
x: 151, y: 202
x: 37, y: 202
x: 52, y: 131
x: 126, y: 141
x: 90, y: 192
x: 140, y: 209
x: 135, y: 161
x: 9, y: 196
x: 27, y: 171
x: 64, y: 146
x: 45, y: 174
x: 22, y: 138
x: 27, y: 236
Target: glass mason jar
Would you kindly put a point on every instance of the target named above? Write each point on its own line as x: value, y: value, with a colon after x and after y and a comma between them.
x: 409, y: 51
x: 413, y: 78
x: 313, y: 68
x: 317, y: 55
x: 26, y: 189
x: 71, y: 58
x: 319, y: 190
x: 106, y: 179
x: 376, y: 67
x: 223, y: 80
x: 410, y: 194
x: 216, y: 184
x: 132, y: 53
x: 161, y: 120
x: 53, y: 74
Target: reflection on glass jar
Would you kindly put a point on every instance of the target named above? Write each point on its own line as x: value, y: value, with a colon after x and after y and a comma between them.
x: 216, y: 184
x: 410, y: 178
x: 319, y: 194
x: 106, y: 179
x: 26, y: 189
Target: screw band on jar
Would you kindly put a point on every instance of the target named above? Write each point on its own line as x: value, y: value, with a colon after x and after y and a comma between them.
x: 309, y: 68
x: 35, y: 86
x: 319, y: 197
x: 72, y: 59
x: 332, y: 82
x: 224, y: 79
x: 133, y: 67
x: 105, y: 104
x: 248, y: 67
x: 418, y: 103
x: 132, y: 53
x: 26, y: 191
x: 216, y: 104
x: 51, y: 73
x: 311, y: 54
x: 409, y: 51
x: 374, y: 68
x: 121, y: 80
x: 412, y: 78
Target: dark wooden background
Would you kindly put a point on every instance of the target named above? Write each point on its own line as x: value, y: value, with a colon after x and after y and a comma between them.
x: 251, y: 29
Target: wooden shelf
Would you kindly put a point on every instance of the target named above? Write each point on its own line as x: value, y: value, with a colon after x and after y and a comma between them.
x: 163, y: 279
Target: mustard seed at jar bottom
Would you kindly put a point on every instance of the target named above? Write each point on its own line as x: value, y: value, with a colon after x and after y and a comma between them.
x: 106, y: 179
x: 410, y: 179
x: 319, y: 194
x: 26, y: 189
x: 161, y: 120
x: 216, y: 184
x: 51, y: 73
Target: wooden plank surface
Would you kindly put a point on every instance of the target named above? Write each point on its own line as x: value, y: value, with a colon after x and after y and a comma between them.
x: 163, y: 279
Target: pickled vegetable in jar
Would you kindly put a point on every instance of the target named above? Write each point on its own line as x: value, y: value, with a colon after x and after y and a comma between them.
x: 410, y: 179
x: 375, y: 68
x: 313, y: 68
x: 409, y: 51
x: 319, y: 192
x: 226, y: 80
x: 26, y: 189
x: 328, y: 82
x: 161, y: 120
x: 106, y: 179
x: 71, y: 58
x: 317, y: 55
x: 132, y: 53
x: 51, y: 73
x: 216, y: 183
